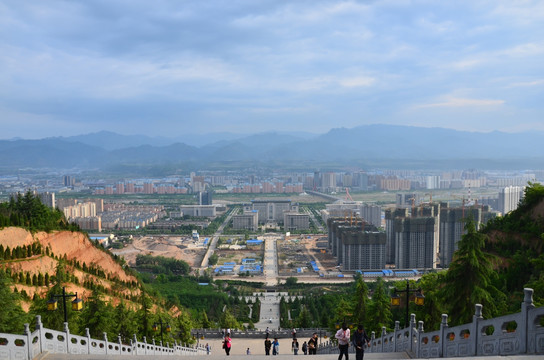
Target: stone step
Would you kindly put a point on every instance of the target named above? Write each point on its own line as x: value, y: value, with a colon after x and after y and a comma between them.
x: 222, y: 356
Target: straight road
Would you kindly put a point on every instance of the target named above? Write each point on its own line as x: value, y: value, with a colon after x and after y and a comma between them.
x: 215, y: 239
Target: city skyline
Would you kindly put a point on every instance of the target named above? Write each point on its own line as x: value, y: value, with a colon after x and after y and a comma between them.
x: 72, y: 68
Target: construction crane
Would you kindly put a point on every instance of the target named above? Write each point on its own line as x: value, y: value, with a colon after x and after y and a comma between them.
x: 348, y: 196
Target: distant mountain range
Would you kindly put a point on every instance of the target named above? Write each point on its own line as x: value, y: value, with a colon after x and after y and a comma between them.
x: 364, y: 146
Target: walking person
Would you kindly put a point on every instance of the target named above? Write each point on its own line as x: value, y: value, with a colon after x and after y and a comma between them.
x: 227, y: 343
x: 312, y: 345
x: 359, y: 339
x: 267, y: 346
x: 305, y: 348
x: 208, y: 349
x: 343, y: 335
x: 276, y: 347
x: 294, y: 346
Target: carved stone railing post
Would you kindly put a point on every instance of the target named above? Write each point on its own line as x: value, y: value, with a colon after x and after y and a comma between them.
x: 28, y: 335
x: 145, y: 345
x: 411, y: 331
x: 67, y: 338
x: 105, y: 336
x: 88, y: 336
x: 419, y: 337
x: 134, y: 344
x: 474, y: 332
x: 384, y: 334
x: 442, y: 341
x: 39, y: 327
x: 397, y: 328
x: 526, y: 305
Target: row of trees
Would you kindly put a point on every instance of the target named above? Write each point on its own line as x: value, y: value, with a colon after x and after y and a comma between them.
x: 27, y: 211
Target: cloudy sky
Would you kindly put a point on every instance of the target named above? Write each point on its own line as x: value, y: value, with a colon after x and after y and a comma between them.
x: 173, y: 67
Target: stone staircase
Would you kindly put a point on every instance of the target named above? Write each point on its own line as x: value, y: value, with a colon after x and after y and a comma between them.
x: 222, y: 356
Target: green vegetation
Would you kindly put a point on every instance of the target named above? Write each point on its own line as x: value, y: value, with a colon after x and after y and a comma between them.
x: 28, y: 212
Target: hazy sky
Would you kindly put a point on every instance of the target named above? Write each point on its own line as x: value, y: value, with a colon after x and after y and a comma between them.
x: 173, y: 67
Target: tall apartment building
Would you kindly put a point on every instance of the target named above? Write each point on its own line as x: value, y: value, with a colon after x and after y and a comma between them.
x: 452, y: 228
x: 68, y: 180
x: 249, y: 220
x: 48, y: 199
x: 355, y: 247
x: 390, y: 216
x: 360, y: 181
x: 509, y: 198
x: 372, y: 214
x: 205, y: 198
x: 363, y: 250
x: 295, y: 221
x: 328, y: 182
x: 416, y: 242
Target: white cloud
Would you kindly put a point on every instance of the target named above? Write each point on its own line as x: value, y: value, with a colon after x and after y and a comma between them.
x: 357, y: 82
x: 528, y: 83
x: 462, y: 102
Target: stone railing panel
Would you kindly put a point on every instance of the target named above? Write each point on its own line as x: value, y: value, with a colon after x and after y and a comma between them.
x: 535, y: 338
x: 97, y: 347
x: 430, y: 344
x: 494, y: 337
x: 13, y: 346
x: 457, y: 341
x: 54, y: 341
x: 78, y: 344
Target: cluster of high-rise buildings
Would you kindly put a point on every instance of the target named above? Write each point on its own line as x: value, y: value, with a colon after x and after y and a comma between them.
x: 415, y: 237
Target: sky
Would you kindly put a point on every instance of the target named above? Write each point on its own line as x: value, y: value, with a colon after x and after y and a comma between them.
x: 166, y: 68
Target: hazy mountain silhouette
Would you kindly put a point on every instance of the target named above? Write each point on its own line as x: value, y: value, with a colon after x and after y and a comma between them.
x: 371, y: 144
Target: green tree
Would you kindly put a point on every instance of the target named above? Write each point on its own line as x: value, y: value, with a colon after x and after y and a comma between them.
x: 212, y: 260
x: 184, y: 325
x: 291, y: 281
x: 228, y: 321
x: 360, y: 301
x: 469, y: 279
x: 381, y: 308
x: 304, y: 320
x: 12, y: 316
x: 433, y: 308
x: 124, y: 322
x: 98, y: 317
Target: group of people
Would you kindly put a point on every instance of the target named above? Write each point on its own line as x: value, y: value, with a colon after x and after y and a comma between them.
x: 343, y: 335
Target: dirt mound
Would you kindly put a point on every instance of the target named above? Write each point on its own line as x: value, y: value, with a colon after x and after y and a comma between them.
x: 72, y: 245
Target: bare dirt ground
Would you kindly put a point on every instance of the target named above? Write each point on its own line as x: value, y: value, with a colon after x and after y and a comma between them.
x: 299, y: 251
x: 179, y: 248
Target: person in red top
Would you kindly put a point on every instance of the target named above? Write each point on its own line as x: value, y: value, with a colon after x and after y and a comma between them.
x: 343, y: 335
x: 227, y: 343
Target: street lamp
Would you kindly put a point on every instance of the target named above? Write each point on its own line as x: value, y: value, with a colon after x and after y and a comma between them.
x: 167, y: 327
x: 419, y: 299
x: 52, y: 304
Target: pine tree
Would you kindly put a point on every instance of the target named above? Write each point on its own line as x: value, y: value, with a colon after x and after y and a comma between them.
x: 360, y: 301
x: 381, y: 308
x: 12, y: 316
x: 469, y: 279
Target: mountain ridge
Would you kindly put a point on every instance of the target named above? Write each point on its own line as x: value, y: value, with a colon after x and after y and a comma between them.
x: 372, y: 144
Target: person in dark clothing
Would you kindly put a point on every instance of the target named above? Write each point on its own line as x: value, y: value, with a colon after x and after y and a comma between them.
x: 359, y: 339
x: 312, y: 345
x: 305, y: 348
x: 267, y: 346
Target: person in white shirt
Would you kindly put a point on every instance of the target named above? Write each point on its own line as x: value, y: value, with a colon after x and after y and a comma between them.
x: 343, y: 335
